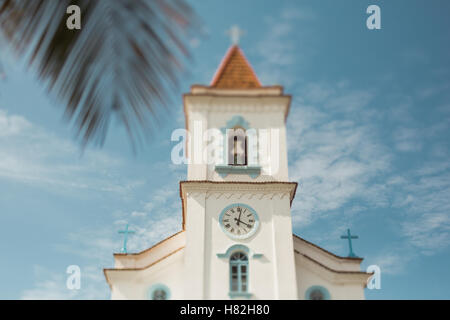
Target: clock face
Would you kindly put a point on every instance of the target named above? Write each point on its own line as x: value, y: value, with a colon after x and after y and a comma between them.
x: 239, y: 221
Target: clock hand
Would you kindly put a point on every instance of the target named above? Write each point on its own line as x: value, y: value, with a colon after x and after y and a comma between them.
x: 239, y: 219
x: 248, y: 225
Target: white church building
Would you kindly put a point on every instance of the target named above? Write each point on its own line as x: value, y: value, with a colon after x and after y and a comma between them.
x: 236, y: 239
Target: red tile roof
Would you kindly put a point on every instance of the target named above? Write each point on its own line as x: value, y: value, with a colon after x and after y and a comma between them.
x: 235, y: 72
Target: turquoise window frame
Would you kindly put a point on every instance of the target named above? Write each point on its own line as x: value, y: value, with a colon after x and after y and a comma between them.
x: 323, y: 290
x: 246, y: 236
x: 227, y: 254
x: 239, y: 247
x: 238, y: 121
x: 225, y: 169
x: 239, y: 264
x: 158, y: 286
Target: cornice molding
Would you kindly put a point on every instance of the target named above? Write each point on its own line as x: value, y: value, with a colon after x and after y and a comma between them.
x: 335, y: 276
x: 338, y: 259
x: 240, y: 189
x: 236, y: 103
x: 236, y: 107
x: 109, y: 271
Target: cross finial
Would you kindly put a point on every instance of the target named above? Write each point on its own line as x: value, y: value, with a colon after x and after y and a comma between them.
x: 126, y: 232
x: 349, y: 236
x: 235, y: 34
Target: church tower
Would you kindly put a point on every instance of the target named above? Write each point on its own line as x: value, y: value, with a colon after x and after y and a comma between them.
x: 238, y: 206
x: 236, y: 240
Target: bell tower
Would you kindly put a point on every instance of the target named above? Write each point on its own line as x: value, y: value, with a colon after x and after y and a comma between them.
x: 235, y: 104
x: 236, y: 202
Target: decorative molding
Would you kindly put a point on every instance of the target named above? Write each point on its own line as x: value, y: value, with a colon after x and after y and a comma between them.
x: 232, y: 249
x: 240, y: 295
x: 196, y: 194
x: 237, y: 121
x: 106, y: 271
x: 335, y: 276
x: 239, y: 247
x: 132, y: 256
x: 236, y: 104
x: 245, y: 195
x: 252, y: 171
x: 234, y: 187
x: 217, y: 187
x: 238, y: 107
x: 328, y: 253
x: 274, y: 90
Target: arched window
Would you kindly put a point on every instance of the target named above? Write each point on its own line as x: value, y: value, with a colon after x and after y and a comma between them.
x: 317, y: 293
x: 159, y: 292
x: 237, y: 146
x: 238, y: 272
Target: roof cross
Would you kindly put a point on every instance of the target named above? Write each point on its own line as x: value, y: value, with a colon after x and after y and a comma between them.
x: 125, y: 232
x: 235, y: 34
x: 349, y: 236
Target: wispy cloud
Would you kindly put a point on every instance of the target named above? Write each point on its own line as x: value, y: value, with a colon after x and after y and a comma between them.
x: 392, y: 262
x: 342, y: 158
x: 425, y: 196
x: 276, y: 50
x: 407, y: 140
x: 154, y: 220
x: 346, y: 147
x: 333, y: 154
x: 32, y: 155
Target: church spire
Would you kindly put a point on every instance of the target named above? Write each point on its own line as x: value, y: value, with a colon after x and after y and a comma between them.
x: 235, y: 72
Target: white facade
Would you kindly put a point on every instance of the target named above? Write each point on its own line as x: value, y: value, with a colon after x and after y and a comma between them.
x: 195, y: 263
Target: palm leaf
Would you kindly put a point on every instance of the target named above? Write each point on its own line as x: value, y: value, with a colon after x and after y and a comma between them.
x: 125, y: 60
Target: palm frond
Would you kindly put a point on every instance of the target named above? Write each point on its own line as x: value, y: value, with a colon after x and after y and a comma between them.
x: 125, y: 60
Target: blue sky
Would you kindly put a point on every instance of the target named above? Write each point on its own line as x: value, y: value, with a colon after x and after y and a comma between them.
x: 368, y: 143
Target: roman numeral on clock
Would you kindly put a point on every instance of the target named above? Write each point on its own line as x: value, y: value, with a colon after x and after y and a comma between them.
x: 239, y: 222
